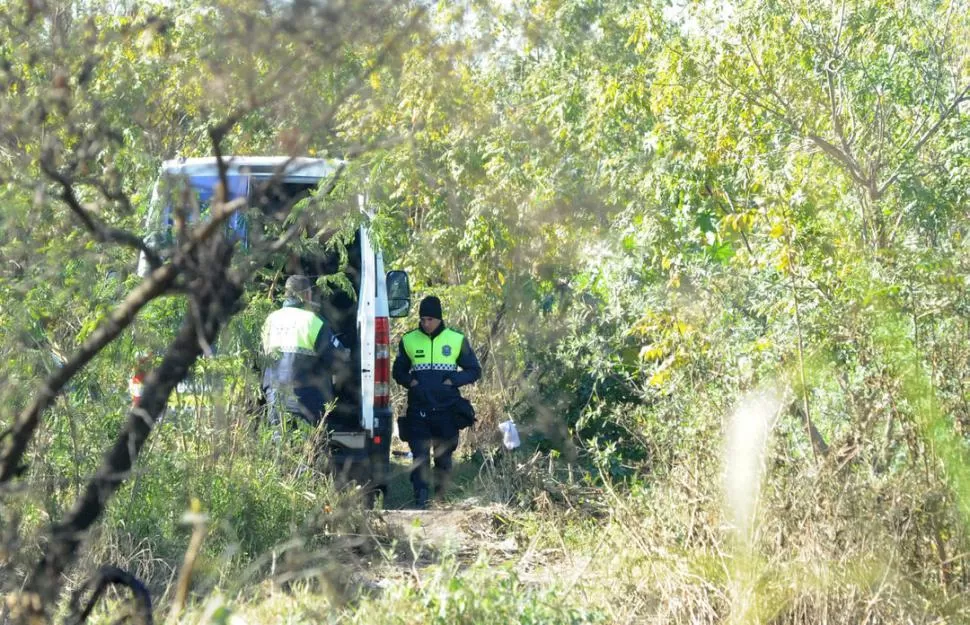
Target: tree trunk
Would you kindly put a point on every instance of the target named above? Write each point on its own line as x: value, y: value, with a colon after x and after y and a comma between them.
x: 216, y: 303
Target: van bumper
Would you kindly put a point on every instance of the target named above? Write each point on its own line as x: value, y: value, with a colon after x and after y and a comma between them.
x: 361, y: 458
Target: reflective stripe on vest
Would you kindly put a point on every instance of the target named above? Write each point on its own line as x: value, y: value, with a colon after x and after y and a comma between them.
x: 438, y: 354
x: 291, y: 331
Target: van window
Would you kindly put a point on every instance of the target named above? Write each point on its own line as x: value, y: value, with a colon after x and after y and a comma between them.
x: 203, y: 188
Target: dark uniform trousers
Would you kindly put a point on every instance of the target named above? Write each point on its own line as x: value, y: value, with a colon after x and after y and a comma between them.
x: 433, y: 440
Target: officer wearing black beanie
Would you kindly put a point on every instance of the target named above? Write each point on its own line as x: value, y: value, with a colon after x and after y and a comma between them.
x: 430, y: 307
x: 433, y: 362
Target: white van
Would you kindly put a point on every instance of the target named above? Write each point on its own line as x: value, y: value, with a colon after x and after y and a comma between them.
x: 360, y: 427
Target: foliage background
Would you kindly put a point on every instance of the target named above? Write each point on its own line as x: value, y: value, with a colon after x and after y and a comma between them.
x: 642, y: 214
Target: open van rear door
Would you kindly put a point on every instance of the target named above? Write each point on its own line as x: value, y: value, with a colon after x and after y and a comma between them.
x: 366, y: 326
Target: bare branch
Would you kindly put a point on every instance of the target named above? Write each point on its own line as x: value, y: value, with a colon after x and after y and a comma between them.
x: 157, y: 283
x: 108, y: 575
x: 756, y: 101
x: 220, y: 296
x: 843, y: 159
x: 101, y: 232
x: 830, y: 72
x: 963, y: 96
x: 112, y: 195
x: 785, y: 104
x: 838, y: 33
x: 26, y: 424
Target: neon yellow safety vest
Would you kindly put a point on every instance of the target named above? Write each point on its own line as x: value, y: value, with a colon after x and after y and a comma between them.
x: 438, y: 354
x: 291, y: 330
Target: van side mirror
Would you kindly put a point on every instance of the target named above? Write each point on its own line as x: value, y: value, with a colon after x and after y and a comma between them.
x: 398, y: 294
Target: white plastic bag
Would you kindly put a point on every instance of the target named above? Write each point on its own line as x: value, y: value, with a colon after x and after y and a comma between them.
x: 510, y: 434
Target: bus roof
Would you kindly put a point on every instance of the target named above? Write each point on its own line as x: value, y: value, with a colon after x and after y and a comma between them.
x: 293, y: 168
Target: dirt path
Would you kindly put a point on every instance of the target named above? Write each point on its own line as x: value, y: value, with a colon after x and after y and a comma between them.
x: 464, y: 532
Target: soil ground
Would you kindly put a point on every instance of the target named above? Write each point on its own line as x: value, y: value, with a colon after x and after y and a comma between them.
x: 461, y: 527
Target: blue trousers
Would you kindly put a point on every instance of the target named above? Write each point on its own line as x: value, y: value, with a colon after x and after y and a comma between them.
x: 289, y: 404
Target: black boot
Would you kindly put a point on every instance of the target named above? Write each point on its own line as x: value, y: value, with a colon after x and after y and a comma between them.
x: 442, y: 482
x: 421, y: 498
x: 441, y: 486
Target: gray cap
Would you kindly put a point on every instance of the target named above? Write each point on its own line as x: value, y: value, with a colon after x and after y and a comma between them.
x: 296, y: 286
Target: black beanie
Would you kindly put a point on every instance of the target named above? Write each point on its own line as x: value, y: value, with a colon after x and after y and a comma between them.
x: 430, y: 307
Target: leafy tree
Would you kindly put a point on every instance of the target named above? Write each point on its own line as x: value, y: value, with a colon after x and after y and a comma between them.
x: 92, y: 99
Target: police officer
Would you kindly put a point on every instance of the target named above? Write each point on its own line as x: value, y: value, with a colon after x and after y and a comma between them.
x: 433, y: 361
x: 299, y: 348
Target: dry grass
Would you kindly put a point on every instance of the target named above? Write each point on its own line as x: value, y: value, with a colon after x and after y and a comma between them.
x: 834, y: 542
